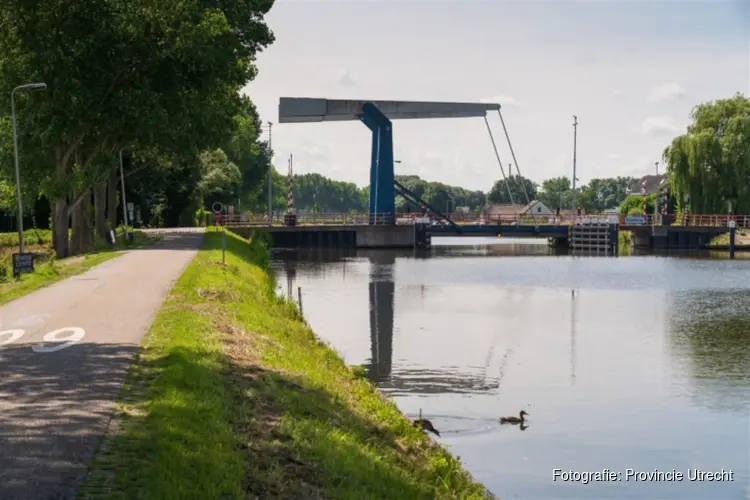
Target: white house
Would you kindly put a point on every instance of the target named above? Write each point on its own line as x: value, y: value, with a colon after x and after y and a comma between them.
x: 536, y: 207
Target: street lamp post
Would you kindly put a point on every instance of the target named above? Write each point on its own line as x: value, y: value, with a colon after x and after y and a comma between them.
x: 28, y: 86
x: 575, y: 139
x: 270, y: 177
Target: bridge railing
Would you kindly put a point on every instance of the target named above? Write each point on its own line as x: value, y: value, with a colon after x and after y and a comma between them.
x: 310, y: 219
x: 694, y: 220
x: 475, y: 218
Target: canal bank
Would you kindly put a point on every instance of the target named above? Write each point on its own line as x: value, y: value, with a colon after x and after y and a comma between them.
x: 233, y: 396
x: 637, y: 362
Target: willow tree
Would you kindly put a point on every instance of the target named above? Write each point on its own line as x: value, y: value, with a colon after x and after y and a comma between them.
x: 711, y: 162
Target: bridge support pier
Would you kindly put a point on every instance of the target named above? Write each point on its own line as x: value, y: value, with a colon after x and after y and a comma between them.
x: 382, y: 194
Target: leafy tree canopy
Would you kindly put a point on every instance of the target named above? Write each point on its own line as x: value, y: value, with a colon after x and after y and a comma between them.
x: 711, y: 162
x: 161, y: 76
x: 522, y: 190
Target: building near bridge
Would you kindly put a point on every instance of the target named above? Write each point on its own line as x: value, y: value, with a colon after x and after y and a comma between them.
x: 536, y: 207
x: 650, y: 182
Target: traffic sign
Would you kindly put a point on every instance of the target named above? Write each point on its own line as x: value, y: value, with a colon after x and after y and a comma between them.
x: 23, y: 263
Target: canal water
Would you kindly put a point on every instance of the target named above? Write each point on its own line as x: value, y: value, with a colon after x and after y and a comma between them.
x: 638, y: 362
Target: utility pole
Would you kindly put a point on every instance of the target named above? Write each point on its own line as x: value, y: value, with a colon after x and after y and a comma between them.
x: 19, y: 214
x: 656, y: 195
x: 575, y: 137
x: 270, y: 178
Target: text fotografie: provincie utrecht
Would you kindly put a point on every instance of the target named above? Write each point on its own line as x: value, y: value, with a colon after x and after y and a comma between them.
x: 655, y: 475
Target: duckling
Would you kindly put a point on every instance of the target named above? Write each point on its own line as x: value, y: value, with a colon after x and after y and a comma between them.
x: 514, y: 420
x: 425, y: 424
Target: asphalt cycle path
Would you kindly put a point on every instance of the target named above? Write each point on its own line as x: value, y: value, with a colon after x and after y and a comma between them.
x: 64, y: 355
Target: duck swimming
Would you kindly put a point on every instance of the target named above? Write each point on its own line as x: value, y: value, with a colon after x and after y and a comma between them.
x: 425, y: 424
x: 514, y: 420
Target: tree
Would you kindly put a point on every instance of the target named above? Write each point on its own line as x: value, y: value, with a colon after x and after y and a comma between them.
x: 557, y: 193
x: 522, y: 189
x: 220, y: 178
x: 7, y: 196
x: 439, y: 195
x: 711, y: 162
x: 253, y: 156
x: 124, y: 73
x: 314, y: 192
x: 603, y: 194
x: 633, y: 205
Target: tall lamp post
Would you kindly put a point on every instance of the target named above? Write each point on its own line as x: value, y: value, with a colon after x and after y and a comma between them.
x: 575, y: 140
x: 270, y: 177
x: 28, y: 86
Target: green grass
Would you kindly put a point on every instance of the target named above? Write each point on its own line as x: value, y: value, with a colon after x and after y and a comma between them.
x: 741, y: 237
x: 47, y: 269
x: 624, y: 241
x: 234, y: 397
x: 31, y: 237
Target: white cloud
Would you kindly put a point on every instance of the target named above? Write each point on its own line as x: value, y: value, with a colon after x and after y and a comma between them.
x: 345, y: 79
x: 503, y: 100
x: 613, y: 156
x: 618, y: 93
x: 666, y: 92
x: 659, y: 125
x: 637, y: 168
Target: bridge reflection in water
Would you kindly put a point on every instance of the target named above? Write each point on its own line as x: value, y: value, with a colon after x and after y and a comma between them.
x: 381, y: 297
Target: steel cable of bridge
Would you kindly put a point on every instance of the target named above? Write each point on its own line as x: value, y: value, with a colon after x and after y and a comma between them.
x: 513, y: 154
x: 497, y: 155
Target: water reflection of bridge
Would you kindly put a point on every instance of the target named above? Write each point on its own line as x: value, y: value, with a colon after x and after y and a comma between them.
x: 381, y: 298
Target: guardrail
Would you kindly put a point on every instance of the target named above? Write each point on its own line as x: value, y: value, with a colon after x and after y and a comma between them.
x: 474, y: 218
x: 693, y: 220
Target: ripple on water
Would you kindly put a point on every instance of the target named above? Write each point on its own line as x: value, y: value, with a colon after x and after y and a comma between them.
x: 464, y: 426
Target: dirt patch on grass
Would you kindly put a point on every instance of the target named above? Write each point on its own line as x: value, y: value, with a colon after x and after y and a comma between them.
x: 278, y: 470
x: 39, y: 251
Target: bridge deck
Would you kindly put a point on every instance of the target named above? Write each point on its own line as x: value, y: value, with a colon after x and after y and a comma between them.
x: 473, y: 224
x: 519, y: 231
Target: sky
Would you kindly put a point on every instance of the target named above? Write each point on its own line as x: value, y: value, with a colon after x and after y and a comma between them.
x: 630, y: 70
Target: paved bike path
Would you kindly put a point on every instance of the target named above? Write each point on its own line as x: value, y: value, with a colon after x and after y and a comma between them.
x: 55, y: 402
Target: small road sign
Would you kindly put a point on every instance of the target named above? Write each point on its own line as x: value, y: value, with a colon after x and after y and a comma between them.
x: 23, y: 263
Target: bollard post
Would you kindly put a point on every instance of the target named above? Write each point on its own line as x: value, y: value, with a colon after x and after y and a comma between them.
x: 299, y: 300
x: 732, y: 233
x: 223, y: 246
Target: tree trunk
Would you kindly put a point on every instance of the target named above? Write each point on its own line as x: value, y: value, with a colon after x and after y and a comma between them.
x: 82, y: 238
x: 60, y: 213
x: 60, y: 228
x: 100, y: 209
x: 87, y: 223
x: 112, y: 200
x: 76, y: 244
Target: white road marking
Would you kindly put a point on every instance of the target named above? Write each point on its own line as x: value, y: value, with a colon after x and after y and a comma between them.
x: 76, y: 336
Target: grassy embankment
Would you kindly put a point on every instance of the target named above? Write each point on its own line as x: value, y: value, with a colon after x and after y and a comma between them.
x: 233, y: 396
x: 47, y: 269
x: 741, y: 238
